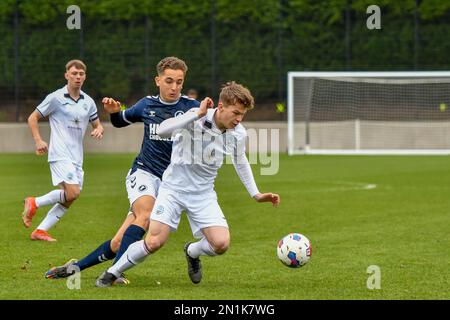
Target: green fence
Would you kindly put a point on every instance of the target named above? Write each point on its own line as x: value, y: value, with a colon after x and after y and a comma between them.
x: 253, y: 42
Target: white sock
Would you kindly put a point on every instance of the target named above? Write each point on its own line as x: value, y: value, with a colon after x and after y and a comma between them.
x: 200, y: 248
x: 52, y: 197
x: 135, y: 254
x: 52, y: 217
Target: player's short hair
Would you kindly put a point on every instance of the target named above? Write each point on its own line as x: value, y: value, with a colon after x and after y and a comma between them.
x: 173, y: 63
x: 233, y: 93
x: 77, y: 64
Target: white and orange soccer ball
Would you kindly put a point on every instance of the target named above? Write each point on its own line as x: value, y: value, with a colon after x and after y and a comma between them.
x: 294, y: 250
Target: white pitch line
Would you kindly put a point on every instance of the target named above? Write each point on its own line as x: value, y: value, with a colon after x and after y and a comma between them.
x: 346, y: 186
x: 369, y: 186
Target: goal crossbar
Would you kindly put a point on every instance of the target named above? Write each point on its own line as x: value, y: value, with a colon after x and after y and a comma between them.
x: 360, y: 122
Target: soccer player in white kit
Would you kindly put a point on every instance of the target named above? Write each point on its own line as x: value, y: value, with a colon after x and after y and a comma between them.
x: 69, y: 110
x: 201, y: 140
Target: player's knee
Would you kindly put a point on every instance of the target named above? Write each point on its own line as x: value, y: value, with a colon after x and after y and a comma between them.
x: 153, y: 244
x: 221, y: 246
x: 115, y: 244
x: 142, y: 220
x: 72, y: 195
x: 142, y: 213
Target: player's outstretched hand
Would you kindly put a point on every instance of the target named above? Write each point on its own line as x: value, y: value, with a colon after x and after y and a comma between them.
x: 41, y: 147
x: 204, y: 106
x: 268, y: 197
x: 111, y: 105
x: 97, y: 133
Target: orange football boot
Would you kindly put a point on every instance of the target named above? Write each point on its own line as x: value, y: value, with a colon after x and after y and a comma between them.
x: 29, y: 211
x: 41, y: 235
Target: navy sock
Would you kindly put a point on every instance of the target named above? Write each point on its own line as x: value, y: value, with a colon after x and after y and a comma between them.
x: 99, y: 255
x: 132, y: 234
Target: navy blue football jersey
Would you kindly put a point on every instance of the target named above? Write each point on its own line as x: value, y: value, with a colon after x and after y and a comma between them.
x: 155, y: 153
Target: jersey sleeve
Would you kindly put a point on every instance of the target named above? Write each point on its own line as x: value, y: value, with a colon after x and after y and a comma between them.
x: 242, y: 166
x: 171, y: 126
x: 93, y: 115
x: 126, y: 117
x: 47, y: 106
x: 135, y: 113
x: 244, y: 171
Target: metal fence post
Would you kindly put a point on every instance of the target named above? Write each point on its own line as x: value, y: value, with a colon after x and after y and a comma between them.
x: 213, y: 50
x: 416, y: 35
x: 16, y: 60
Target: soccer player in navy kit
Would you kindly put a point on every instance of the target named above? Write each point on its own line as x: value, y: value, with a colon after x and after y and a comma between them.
x: 144, y: 177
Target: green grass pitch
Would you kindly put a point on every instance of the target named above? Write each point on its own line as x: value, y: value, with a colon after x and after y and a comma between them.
x: 358, y: 211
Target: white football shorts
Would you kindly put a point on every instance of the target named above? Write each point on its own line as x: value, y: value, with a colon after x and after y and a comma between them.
x: 202, y: 210
x: 141, y: 183
x: 66, y: 171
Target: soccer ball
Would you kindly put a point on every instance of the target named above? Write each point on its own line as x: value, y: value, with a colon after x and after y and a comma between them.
x: 294, y: 250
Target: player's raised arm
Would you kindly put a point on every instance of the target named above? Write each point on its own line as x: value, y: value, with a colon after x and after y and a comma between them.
x: 168, y: 126
x: 118, y: 117
x: 206, y: 104
x: 41, y: 145
x: 111, y: 105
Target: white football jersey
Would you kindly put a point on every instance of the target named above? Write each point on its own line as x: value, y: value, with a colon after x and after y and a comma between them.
x: 199, y: 150
x: 68, y: 122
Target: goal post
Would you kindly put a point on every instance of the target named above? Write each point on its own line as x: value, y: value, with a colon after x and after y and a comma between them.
x: 369, y: 112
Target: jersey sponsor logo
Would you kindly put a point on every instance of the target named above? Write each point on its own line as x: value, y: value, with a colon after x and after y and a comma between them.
x: 152, y: 128
x: 178, y: 113
x: 152, y: 113
x: 156, y: 137
x: 76, y: 121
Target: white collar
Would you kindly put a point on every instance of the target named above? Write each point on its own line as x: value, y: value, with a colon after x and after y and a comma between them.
x: 168, y: 103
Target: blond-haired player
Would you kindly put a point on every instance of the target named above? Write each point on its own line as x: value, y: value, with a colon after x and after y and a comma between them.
x: 69, y: 110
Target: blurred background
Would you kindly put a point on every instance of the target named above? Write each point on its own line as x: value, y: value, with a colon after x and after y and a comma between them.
x: 255, y: 42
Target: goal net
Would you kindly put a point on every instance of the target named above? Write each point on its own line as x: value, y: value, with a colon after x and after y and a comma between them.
x: 369, y: 112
